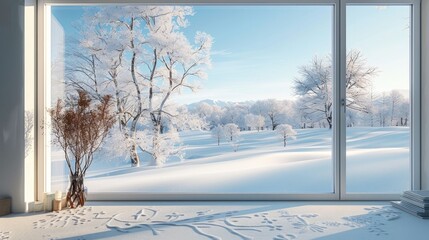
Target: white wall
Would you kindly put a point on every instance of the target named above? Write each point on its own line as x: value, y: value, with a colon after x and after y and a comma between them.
x: 12, y: 165
x: 425, y: 94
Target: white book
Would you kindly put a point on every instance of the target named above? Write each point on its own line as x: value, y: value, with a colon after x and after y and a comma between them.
x: 424, y: 206
x: 418, y: 195
x: 408, y: 209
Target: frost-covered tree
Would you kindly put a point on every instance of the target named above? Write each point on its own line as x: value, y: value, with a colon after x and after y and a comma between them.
x: 396, y: 99
x: 403, y: 113
x: 212, y: 114
x: 82, y: 70
x: 235, y: 114
x: 232, y: 134
x: 351, y: 118
x: 259, y: 122
x: 217, y: 133
x: 274, y: 110
x: 251, y: 121
x: 358, y: 80
x: 383, y: 109
x: 108, y: 36
x: 215, y: 118
x: 164, y: 146
x: 180, y: 62
x: 285, y: 131
x: 314, y: 86
x: 147, y: 59
x: 184, y: 120
x: 392, y: 108
x: 369, y: 119
x: 258, y: 108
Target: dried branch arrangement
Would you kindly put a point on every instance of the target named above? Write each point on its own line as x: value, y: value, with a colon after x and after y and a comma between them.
x: 79, y: 128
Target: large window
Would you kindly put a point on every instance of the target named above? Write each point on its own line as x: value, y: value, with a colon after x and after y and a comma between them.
x: 307, y: 101
x: 209, y: 99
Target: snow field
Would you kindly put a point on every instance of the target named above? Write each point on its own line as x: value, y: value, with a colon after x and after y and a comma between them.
x: 377, y: 161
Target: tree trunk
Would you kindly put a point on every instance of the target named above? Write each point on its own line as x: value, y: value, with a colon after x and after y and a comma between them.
x: 135, y: 161
x: 329, y: 120
x: 155, y: 144
x: 76, y: 193
x: 284, y: 141
x: 273, y: 121
x: 134, y: 157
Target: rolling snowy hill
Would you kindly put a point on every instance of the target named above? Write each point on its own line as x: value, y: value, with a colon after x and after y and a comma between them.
x: 262, y: 164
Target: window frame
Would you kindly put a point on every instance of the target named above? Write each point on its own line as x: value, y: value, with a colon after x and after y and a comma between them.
x: 415, y: 82
x: 339, y: 140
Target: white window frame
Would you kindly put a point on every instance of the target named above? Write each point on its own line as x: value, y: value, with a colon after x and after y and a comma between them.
x: 339, y: 136
x: 415, y: 82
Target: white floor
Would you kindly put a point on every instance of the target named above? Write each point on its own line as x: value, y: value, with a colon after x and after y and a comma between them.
x: 219, y: 220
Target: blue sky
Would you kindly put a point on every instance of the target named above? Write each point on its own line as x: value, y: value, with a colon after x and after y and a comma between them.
x: 257, y: 49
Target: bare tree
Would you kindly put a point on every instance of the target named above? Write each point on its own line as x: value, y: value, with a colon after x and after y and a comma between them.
x: 79, y: 128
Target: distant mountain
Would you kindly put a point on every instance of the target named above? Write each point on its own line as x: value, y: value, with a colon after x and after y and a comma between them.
x: 209, y: 102
x: 219, y: 103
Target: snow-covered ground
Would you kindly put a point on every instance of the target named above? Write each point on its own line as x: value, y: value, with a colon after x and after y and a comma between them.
x: 377, y: 161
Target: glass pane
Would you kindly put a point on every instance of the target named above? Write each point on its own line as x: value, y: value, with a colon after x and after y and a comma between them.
x: 378, y: 99
x: 208, y: 99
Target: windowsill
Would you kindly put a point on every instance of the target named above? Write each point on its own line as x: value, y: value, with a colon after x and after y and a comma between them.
x: 221, y: 220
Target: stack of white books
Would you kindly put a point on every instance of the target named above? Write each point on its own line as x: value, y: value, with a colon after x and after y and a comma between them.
x: 415, y: 203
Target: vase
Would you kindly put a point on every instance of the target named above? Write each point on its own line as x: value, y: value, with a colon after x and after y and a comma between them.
x: 76, y: 195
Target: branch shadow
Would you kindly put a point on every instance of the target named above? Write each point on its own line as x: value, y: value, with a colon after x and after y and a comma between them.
x: 113, y: 232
